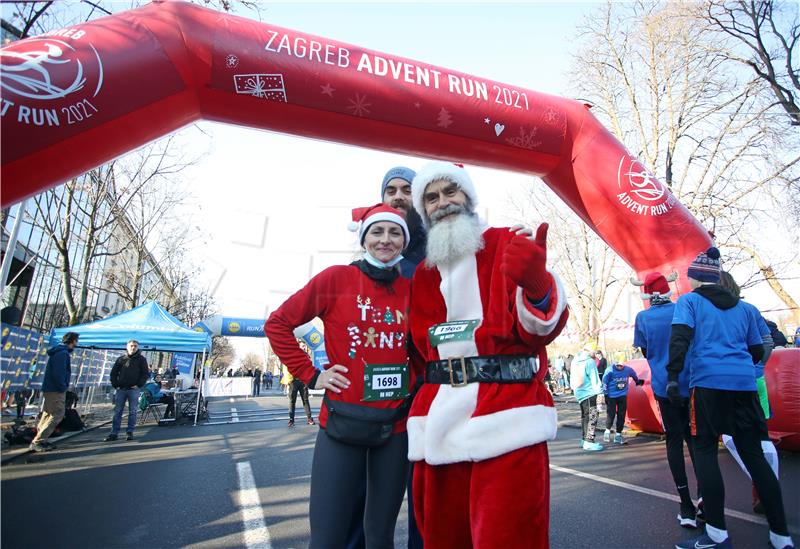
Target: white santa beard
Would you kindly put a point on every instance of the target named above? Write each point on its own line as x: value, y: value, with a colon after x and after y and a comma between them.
x: 453, y: 238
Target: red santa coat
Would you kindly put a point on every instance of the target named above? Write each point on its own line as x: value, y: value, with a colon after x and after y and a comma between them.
x: 481, y: 420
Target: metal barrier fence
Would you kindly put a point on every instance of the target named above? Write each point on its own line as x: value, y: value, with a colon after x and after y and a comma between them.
x: 22, y: 362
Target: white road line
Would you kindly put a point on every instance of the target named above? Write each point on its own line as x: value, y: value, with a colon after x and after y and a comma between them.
x: 234, y: 416
x: 650, y: 492
x: 256, y: 535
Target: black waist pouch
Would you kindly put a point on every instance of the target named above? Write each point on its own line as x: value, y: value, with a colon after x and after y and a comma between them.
x: 362, y: 425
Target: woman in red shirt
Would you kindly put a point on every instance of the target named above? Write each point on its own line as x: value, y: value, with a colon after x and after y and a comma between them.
x: 364, y: 310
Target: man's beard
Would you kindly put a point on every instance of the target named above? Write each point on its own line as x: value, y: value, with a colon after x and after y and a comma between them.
x: 451, y: 239
x: 413, y: 219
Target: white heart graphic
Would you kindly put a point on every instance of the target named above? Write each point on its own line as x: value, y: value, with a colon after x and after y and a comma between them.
x: 498, y: 129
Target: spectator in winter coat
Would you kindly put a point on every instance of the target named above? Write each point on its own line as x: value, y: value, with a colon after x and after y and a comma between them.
x: 586, y: 386
x: 615, y: 388
x: 154, y: 387
x: 57, y: 375
x: 128, y: 376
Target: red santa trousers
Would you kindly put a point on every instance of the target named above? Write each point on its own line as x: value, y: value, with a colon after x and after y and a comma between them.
x: 498, y: 503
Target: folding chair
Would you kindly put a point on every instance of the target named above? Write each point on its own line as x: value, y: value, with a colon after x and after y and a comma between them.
x: 155, y: 411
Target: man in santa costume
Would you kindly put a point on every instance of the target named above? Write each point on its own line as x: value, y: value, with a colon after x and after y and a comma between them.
x: 483, y: 307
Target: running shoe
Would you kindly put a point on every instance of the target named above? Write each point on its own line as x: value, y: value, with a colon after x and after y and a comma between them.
x: 618, y: 439
x: 592, y: 446
x: 110, y: 438
x: 39, y: 447
x: 291, y: 423
x: 701, y: 514
x: 607, y: 436
x: 129, y: 436
x: 704, y: 542
x: 311, y: 421
x: 687, y: 516
x: 784, y: 547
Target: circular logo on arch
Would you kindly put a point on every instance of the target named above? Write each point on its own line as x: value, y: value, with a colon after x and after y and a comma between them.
x: 234, y: 327
x: 46, y: 68
x: 640, y: 191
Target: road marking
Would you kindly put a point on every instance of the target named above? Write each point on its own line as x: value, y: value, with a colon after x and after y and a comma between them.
x: 256, y: 535
x: 650, y: 492
x: 234, y: 416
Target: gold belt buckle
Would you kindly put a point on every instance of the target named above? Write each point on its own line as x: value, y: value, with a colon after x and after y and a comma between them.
x: 463, y: 371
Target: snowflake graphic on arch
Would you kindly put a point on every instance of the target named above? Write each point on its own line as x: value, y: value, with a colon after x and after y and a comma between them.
x: 358, y: 105
x: 231, y: 61
x: 525, y: 139
x: 551, y: 116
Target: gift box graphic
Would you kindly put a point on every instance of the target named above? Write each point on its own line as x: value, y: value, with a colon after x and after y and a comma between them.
x: 266, y: 86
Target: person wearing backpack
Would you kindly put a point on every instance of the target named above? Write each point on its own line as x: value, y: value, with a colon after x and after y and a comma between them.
x: 128, y: 376
x: 57, y: 375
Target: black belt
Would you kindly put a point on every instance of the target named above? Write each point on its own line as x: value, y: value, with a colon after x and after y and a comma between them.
x: 458, y: 371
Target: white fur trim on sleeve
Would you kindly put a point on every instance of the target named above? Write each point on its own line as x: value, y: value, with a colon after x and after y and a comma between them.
x: 534, y: 324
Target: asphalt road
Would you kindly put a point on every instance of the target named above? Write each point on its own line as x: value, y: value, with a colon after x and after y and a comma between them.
x: 245, y: 483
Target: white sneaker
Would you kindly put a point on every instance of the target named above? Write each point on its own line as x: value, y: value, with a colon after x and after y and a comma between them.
x: 607, y: 436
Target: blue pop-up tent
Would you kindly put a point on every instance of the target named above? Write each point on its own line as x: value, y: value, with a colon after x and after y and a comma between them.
x: 149, y: 324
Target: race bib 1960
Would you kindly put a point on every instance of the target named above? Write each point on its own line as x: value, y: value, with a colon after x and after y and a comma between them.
x: 385, y: 381
x: 455, y: 330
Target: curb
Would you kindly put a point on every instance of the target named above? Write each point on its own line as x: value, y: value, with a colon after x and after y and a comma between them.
x: 9, y: 459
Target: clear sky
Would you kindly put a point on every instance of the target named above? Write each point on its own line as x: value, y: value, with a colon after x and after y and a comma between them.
x: 276, y: 207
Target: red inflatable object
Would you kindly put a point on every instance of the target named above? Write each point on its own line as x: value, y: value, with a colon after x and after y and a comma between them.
x: 78, y: 97
x: 783, y: 384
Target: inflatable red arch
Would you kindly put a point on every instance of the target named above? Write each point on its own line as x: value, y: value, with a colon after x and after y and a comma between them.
x: 80, y: 96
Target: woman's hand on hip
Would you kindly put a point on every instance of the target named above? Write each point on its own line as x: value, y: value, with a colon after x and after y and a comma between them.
x: 332, y: 379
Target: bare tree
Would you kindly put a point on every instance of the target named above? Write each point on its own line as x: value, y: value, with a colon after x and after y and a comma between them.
x: 592, y: 273
x: 252, y: 361
x: 79, y: 216
x: 765, y: 37
x: 659, y: 80
x: 149, y: 221
x: 222, y: 353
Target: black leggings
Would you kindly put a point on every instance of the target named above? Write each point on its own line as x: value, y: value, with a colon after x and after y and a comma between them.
x: 676, y: 427
x: 617, y: 407
x: 589, y: 418
x: 738, y: 412
x: 336, y: 468
x: 299, y: 387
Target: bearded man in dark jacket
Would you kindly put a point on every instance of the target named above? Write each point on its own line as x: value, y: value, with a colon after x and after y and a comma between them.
x: 128, y: 376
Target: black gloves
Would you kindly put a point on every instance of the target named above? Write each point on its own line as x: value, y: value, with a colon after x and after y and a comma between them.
x: 674, y: 393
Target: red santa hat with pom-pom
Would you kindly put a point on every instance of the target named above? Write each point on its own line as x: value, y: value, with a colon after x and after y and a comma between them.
x: 363, y: 218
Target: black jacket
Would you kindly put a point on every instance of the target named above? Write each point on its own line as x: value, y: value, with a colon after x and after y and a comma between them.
x: 129, y: 371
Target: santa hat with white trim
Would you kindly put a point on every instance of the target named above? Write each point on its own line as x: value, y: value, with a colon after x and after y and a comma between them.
x: 363, y: 218
x: 434, y: 171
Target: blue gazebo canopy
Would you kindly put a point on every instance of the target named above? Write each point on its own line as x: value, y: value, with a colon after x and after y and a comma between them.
x: 150, y: 324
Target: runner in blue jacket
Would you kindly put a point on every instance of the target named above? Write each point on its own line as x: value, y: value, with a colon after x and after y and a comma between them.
x: 615, y: 387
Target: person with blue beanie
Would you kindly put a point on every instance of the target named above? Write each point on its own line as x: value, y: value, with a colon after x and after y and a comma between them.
x: 396, y: 192
x: 716, y: 337
x: 586, y: 385
x: 615, y: 387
